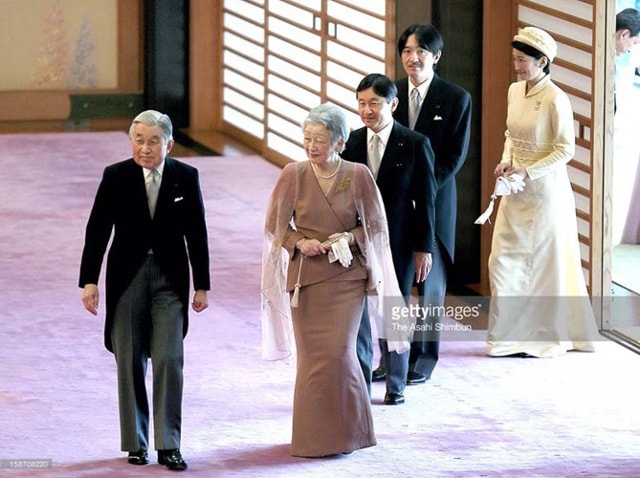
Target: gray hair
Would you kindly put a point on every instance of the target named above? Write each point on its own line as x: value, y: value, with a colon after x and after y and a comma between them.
x: 153, y: 118
x: 332, y: 118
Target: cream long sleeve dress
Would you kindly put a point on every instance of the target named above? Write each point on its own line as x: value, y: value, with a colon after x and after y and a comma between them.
x: 539, y: 304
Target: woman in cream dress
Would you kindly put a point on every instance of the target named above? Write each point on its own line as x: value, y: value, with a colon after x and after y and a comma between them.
x: 539, y: 306
x: 320, y: 299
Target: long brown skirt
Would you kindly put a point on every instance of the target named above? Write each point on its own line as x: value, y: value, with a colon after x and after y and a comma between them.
x: 331, y: 406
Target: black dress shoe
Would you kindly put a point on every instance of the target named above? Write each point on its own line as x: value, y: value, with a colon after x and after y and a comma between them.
x: 378, y: 375
x: 139, y: 457
x: 522, y: 355
x: 172, y: 459
x: 393, y: 398
x: 414, y: 378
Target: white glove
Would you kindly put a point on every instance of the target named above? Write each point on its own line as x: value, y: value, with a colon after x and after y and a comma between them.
x: 340, y: 250
x: 502, y: 187
x: 506, y: 185
x: 516, y: 182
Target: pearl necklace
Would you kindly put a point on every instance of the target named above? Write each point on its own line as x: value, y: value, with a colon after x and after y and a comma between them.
x: 313, y: 166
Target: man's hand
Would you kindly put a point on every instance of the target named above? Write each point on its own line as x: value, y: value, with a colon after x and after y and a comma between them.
x: 422, y: 263
x: 200, y: 301
x: 91, y: 298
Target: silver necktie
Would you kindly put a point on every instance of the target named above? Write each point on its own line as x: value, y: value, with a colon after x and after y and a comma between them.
x: 375, y: 156
x: 153, y: 187
x: 414, y: 107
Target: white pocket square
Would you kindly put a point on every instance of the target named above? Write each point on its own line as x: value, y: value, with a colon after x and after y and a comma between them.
x: 178, y: 199
x: 437, y: 118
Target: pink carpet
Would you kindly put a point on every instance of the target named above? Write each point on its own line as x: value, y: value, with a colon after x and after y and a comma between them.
x: 576, y: 415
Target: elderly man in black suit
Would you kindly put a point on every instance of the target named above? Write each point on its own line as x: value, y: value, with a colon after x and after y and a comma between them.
x: 402, y: 163
x: 441, y: 111
x: 154, y: 207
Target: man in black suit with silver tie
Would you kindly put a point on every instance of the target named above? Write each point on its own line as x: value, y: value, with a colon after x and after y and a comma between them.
x: 441, y: 110
x: 153, y: 206
x: 401, y: 160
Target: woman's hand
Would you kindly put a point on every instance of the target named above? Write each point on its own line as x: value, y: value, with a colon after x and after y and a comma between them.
x: 520, y: 172
x: 502, y: 169
x: 311, y: 247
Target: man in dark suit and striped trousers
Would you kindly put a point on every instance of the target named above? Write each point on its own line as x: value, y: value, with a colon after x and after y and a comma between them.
x: 441, y: 111
x: 154, y: 207
x: 401, y: 160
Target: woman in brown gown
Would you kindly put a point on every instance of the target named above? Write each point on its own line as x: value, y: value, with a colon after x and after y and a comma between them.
x: 318, y: 291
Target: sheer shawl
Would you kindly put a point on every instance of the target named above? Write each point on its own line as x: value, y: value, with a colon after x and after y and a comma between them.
x: 385, y: 300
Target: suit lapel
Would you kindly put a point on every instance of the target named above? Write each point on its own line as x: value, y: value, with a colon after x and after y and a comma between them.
x: 402, y: 111
x: 360, y: 145
x: 136, y: 190
x: 168, y: 176
x: 391, y: 150
x: 431, y: 107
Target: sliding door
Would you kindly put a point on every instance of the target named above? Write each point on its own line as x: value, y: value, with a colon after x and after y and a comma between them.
x: 283, y: 57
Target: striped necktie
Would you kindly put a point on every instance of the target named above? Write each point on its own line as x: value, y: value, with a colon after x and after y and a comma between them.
x: 153, y: 187
x: 374, y: 155
x: 414, y: 107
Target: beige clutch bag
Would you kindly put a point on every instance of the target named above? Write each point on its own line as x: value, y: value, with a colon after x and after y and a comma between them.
x: 336, y: 238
